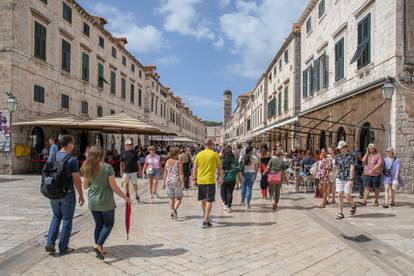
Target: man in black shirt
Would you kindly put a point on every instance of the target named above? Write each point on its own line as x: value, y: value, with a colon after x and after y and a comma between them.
x: 129, y: 166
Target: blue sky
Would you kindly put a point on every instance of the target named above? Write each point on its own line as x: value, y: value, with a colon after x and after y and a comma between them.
x: 202, y: 47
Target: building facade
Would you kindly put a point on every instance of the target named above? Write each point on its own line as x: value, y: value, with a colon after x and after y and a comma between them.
x: 55, y: 57
x: 351, y: 79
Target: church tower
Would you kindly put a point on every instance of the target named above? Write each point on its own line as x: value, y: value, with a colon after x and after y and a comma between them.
x: 227, y: 106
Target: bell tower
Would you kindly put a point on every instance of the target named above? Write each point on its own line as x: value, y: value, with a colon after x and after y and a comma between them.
x: 227, y: 97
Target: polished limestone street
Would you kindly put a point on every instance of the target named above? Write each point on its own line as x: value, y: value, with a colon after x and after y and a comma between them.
x: 298, y: 239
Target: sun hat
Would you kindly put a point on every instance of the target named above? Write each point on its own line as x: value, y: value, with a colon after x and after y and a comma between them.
x: 342, y: 144
x: 128, y: 142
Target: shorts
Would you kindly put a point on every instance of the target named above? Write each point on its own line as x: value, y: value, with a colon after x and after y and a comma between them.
x: 343, y: 186
x: 131, y: 178
x: 373, y: 182
x: 207, y: 192
x: 155, y: 172
x: 174, y: 191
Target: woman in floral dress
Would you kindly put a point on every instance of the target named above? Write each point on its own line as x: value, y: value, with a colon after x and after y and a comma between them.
x: 323, y: 174
x: 174, y: 181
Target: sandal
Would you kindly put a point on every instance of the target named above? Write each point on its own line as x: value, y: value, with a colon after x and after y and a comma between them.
x: 392, y: 203
x: 322, y: 206
x: 99, y: 254
x: 340, y: 216
x: 385, y: 206
x: 353, y: 210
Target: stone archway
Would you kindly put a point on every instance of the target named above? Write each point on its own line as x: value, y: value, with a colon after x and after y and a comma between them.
x: 340, y: 135
x: 366, y: 136
x: 322, y: 140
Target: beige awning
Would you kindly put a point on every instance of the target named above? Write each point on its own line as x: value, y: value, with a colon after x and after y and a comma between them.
x: 65, y: 120
x: 123, y: 123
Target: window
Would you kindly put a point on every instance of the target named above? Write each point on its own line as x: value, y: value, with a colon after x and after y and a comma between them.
x: 286, y: 56
x: 44, y: 1
x: 67, y: 12
x: 274, y: 71
x: 124, y: 60
x: 113, y: 52
x: 64, y: 101
x: 139, y: 97
x: 99, y: 111
x: 132, y: 96
x: 140, y: 74
x: 286, y: 99
x: 101, y: 42
x: 321, y: 8
x: 339, y: 60
x: 309, y: 25
x: 113, y: 82
x: 65, y: 56
x: 40, y: 41
x: 39, y: 94
x: 270, y: 76
x: 86, y: 29
x: 152, y: 102
x: 363, y: 51
x: 280, y: 64
x: 100, y: 75
x: 123, y: 88
x: 271, y: 108
x: 84, y: 107
x: 112, y: 112
x: 279, y: 103
x: 85, y: 66
x: 132, y: 67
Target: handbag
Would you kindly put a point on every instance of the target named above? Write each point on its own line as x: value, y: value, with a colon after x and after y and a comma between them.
x: 274, y: 178
x: 149, y: 171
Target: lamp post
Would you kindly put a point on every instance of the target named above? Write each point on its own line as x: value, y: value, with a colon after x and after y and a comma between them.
x: 387, y: 92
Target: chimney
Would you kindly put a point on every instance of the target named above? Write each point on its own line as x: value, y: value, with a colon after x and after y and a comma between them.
x: 121, y: 41
x: 100, y: 20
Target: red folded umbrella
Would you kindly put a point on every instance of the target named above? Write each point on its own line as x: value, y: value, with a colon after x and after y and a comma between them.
x: 127, y: 214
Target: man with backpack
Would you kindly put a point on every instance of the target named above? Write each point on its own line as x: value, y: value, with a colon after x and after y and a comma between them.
x: 60, y: 178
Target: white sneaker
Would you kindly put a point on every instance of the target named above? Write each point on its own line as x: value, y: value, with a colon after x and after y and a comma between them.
x: 228, y: 210
x: 151, y: 196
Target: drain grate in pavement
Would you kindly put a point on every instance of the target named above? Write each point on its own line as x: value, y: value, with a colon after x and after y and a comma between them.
x: 3, y: 180
x: 359, y: 238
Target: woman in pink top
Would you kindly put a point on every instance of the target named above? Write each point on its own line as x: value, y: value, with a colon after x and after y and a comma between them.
x: 152, y: 168
x: 372, y: 171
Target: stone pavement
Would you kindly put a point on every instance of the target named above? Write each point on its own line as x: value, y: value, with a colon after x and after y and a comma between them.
x: 298, y: 239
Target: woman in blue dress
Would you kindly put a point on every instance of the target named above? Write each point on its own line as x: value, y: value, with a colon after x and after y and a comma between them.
x: 391, y: 179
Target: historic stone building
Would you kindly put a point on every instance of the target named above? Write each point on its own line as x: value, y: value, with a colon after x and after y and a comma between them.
x: 352, y: 79
x: 55, y: 57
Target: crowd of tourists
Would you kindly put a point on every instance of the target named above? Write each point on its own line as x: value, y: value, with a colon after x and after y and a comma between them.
x: 334, y: 172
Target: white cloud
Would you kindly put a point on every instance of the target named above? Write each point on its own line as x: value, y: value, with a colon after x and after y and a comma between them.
x: 201, y: 102
x: 167, y: 60
x: 182, y: 17
x: 256, y: 30
x: 141, y: 38
x: 224, y: 3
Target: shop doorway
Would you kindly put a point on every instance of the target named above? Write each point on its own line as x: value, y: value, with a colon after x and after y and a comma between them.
x: 37, y: 140
x: 366, y: 137
x: 322, y: 140
x: 83, y: 142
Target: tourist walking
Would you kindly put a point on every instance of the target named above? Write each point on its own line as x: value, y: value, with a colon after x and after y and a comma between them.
x: 264, y: 156
x: 359, y: 172
x: 63, y: 208
x: 275, y: 168
x: 392, y: 180
x: 152, y: 168
x: 345, y: 163
x: 129, y: 167
x: 206, y: 165
x: 99, y: 178
x: 297, y: 166
x: 332, y: 175
x: 250, y: 168
x: 323, y: 174
x: 372, y: 161
x: 53, y: 149
x: 185, y: 158
x: 237, y: 153
x: 231, y: 169
x: 174, y: 181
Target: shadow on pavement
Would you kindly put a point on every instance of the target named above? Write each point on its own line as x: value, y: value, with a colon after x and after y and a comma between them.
x: 298, y: 207
x: 374, y: 215
x: 292, y: 198
x: 359, y: 238
x: 404, y: 204
x: 155, y: 202
x: 118, y: 253
x: 184, y: 218
x: 243, y: 224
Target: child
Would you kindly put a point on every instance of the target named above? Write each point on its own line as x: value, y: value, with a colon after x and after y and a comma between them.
x: 174, y: 181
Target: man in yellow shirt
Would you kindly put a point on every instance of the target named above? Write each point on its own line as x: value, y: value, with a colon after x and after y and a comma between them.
x: 206, y: 165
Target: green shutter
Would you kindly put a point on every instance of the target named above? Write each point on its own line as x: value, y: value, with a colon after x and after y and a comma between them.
x: 305, y: 84
x: 100, y: 75
x: 40, y: 41
x: 286, y: 102
x: 279, y: 103
x: 85, y: 66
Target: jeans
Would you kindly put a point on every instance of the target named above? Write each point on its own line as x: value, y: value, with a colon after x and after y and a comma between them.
x: 63, y: 210
x: 226, y: 192
x: 104, y: 221
x: 247, y: 186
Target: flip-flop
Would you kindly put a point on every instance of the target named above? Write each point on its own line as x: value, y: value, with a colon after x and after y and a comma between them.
x: 99, y: 254
x: 340, y: 216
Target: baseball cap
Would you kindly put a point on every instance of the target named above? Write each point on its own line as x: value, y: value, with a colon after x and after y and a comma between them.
x: 342, y: 144
x: 128, y: 142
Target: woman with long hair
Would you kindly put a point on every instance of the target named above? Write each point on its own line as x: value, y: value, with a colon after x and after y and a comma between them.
x: 231, y: 168
x: 174, y: 180
x: 264, y: 160
x: 99, y: 177
x: 250, y: 168
x: 152, y: 168
x: 323, y: 172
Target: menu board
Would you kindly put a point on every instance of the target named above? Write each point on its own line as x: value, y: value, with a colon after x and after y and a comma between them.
x: 5, y: 131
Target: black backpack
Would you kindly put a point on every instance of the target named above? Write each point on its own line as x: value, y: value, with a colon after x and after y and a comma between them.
x: 56, y: 178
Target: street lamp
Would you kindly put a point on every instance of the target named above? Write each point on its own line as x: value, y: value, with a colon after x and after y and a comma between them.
x: 11, y: 102
x: 388, y: 89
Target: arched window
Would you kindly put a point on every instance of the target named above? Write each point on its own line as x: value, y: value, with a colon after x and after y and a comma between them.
x: 322, y: 140
x: 340, y: 135
x: 83, y: 142
x: 309, y: 142
x: 366, y: 136
x: 37, y: 140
